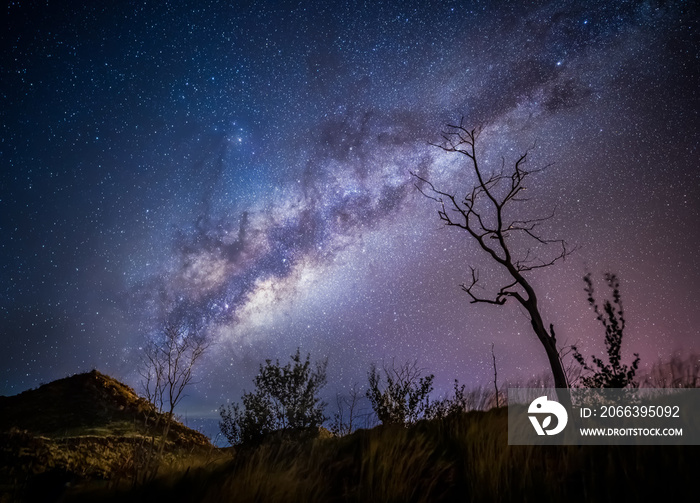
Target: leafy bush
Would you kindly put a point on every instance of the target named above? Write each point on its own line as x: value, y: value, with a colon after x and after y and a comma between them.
x: 615, y: 374
x: 284, y: 398
x: 404, y: 399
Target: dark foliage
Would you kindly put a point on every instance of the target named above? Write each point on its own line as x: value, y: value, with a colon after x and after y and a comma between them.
x: 464, y: 458
x: 612, y: 317
x: 404, y: 398
x: 285, y: 397
x: 462, y: 401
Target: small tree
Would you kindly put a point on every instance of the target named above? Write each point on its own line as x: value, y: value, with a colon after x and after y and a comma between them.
x: 404, y: 398
x: 169, y: 360
x: 284, y: 398
x: 612, y: 316
x: 167, y: 368
x: 344, y: 420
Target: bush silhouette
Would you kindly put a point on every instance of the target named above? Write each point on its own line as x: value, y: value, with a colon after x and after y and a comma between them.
x: 285, y: 397
x: 612, y: 317
x: 404, y: 399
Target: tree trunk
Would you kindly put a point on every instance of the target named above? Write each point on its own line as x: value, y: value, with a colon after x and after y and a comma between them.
x: 550, y: 347
x: 166, y: 431
x: 547, y: 339
x: 549, y: 342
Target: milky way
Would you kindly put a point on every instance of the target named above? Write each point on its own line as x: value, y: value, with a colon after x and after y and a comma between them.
x: 247, y: 168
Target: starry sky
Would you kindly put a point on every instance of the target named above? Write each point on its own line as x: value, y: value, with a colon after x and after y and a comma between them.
x: 245, y: 166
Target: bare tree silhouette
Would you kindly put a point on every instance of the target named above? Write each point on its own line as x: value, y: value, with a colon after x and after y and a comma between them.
x: 483, y: 214
x: 344, y: 421
x: 169, y: 358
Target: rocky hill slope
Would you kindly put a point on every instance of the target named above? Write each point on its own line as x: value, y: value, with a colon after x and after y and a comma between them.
x: 89, y: 404
x: 85, y: 427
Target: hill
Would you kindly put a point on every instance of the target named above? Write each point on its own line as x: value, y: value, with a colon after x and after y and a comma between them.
x: 86, y: 427
x: 86, y: 404
x: 462, y: 458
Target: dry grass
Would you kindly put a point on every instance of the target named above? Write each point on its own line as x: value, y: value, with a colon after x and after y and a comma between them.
x: 462, y: 458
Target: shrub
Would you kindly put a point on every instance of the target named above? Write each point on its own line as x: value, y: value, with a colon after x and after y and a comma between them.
x: 404, y: 399
x: 284, y: 398
x: 612, y: 317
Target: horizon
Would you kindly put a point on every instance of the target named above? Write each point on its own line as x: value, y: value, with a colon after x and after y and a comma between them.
x: 248, y: 169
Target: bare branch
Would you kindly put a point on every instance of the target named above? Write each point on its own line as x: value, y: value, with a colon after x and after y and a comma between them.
x: 168, y: 363
x: 495, y: 374
x: 499, y: 300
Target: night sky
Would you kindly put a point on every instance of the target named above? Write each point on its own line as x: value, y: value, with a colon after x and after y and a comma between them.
x: 246, y: 167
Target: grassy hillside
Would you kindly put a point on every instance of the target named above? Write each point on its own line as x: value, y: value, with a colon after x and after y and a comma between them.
x: 85, y: 404
x: 85, y: 428
x: 80, y: 439
x: 464, y: 458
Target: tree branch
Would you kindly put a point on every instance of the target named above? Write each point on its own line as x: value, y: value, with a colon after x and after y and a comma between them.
x: 482, y: 213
